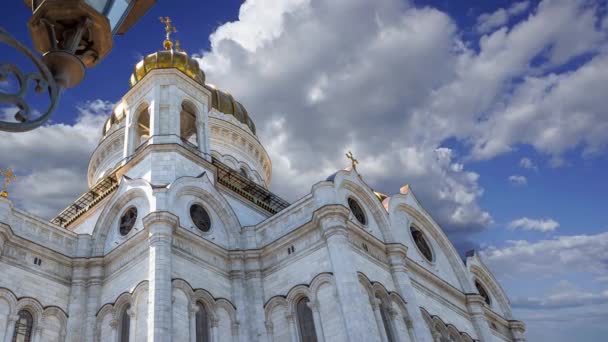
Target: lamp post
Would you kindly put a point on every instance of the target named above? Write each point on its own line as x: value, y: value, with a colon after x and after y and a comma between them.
x: 71, y: 35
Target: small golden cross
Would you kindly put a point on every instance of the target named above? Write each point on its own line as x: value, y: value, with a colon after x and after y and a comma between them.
x: 169, y: 28
x: 178, y: 46
x: 8, y: 177
x: 353, y: 161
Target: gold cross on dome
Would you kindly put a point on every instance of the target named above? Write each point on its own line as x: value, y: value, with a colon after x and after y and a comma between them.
x: 169, y: 28
x: 8, y: 177
x: 353, y: 161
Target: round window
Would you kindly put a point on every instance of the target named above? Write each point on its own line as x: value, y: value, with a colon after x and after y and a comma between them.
x: 127, y: 221
x: 482, y: 291
x: 422, y: 244
x: 357, y: 210
x: 200, y: 217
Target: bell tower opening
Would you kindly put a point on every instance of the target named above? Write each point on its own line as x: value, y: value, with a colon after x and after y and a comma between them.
x: 187, y: 122
x: 143, y: 126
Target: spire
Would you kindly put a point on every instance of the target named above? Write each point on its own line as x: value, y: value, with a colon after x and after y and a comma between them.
x: 353, y: 161
x: 169, y: 28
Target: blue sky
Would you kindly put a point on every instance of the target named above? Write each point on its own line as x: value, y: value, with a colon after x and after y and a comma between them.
x: 493, y: 111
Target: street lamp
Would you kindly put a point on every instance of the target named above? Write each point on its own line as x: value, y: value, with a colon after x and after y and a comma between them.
x: 71, y: 35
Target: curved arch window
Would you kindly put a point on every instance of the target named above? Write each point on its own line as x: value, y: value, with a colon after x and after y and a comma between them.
x: 143, y: 126
x: 482, y: 291
x: 125, y: 324
x: 127, y: 221
x: 387, y: 324
x: 421, y: 243
x: 357, y: 210
x: 243, y: 172
x: 202, y: 324
x: 23, y: 327
x: 200, y: 217
x: 306, y: 323
x: 187, y: 123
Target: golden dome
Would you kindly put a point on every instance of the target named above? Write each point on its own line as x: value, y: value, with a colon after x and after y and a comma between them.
x: 225, y: 103
x: 168, y: 59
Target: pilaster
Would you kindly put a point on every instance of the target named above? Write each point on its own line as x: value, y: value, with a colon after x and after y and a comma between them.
x: 255, y: 293
x: 397, y: 255
x: 475, y: 303
x: 237, y: 276
x: 77, y: 304
x: 160, y: 226
x: 94, y: 282
x: 518, y: 329
x: 332, y: 220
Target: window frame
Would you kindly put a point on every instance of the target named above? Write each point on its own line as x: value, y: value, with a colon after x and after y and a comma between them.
x: 134, y: 221
x: 433, y: 258
x: 208, y: 212
x: 357, y: 203
x: 29, y: 327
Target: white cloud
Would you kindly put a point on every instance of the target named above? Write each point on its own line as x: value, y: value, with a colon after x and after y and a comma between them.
x: 392, y: 82
x: 518, y: 180
x: 562, y: 255
x: 489, y: 21
x: 51, y: 161
x: 527, y: 163
x: 541, y: 225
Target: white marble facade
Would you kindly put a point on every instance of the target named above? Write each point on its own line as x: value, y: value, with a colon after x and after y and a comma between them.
x: 310, y: 272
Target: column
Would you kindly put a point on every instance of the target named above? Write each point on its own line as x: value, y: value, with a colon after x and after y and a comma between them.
x: 38, y: 334
x: 376, y: 307
x: 132, y: 312
x: 332, y: 220
x: 316, y: 316
x: 77, y: 302
x: 475, y: 303
x: 215, y: 329
x: 518, y: 329
x: 293, y: 331
x: 397, y: 256
x: 160, y: 226
x: 270, y: 331
x: 192, y: 310
x: 255, y: 289
x: 92, y: 302
x: 114, y: 326
x: 10, y: 327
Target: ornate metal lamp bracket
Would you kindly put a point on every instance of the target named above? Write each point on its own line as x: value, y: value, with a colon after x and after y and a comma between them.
x: 43, y: 79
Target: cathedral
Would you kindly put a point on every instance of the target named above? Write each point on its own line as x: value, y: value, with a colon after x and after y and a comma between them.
x: 178, y: 238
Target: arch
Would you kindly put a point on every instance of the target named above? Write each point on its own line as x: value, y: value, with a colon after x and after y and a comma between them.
x: 349, y: 181
x: 125, y: 303
x: 124, y: 326
x: 444, y: 332
x: 202, y: 188
x: 33, y: 307
x: 479, y: 272
x: 188, y: 122
x: 141, y: 122
x: 128, y: 191
x: 434, y: 232
x: 10, y: 298
x: 60, y: 315
x: 306, y: 323
x: 24, y: 326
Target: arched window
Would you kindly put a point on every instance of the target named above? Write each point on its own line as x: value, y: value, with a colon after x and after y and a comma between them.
x: 243, y: 172
x: 306, y: 322
x: 125, y: 324
x: 143, y: 126
x: 187, y: 123
x: 23, y: 327
x: 202, y: 324
x: 200, y: 217
x: 482, y: 291
x: 387, y: 323
x: 421, y: 243
x: 357, y: 211
x: 127, y: 221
